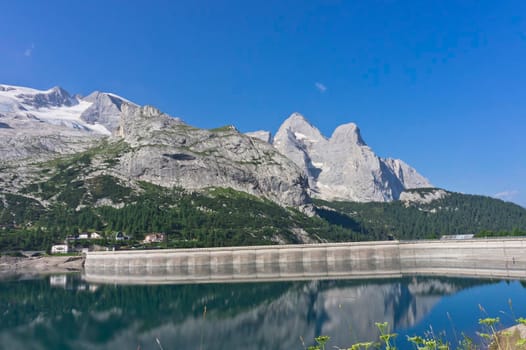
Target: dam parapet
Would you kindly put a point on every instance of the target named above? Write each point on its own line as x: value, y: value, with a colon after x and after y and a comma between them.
x: 491, y: 258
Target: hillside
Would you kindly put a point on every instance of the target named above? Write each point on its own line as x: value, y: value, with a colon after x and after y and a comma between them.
x: 71, y: 200
x: 65, y: 196
x: 71, y: 165
x: 427, y: 213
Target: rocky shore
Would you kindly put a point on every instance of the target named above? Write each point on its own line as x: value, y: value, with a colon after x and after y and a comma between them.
x: 40, y: 265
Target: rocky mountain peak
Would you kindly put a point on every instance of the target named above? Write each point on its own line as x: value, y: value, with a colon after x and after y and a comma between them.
x: 54, y: 97
x: 170, y: 153
x: 297, y: 128
x: 95, y: 96
x: 57, y: 90
x: 51, y: 122
x: 343, y: 167
x: 296, y: 121
x: 150, y: 112
x: 263, y: 135
x: 138, y: 123
x: 105, y: 109
x: 347, y: 133
x: 407, y: 175
x: 297, y: 117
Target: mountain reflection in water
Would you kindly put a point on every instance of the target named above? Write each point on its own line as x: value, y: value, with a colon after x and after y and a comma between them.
x: 66, y: 313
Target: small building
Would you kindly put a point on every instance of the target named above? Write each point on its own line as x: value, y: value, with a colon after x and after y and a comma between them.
x: 154, y: 238
x: 457, y: 237
x: 121, y: 237
x: 84, y: 235
x: 59, y: 249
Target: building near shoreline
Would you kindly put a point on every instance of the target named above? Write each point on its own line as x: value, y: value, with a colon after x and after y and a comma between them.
x: 59, y: 249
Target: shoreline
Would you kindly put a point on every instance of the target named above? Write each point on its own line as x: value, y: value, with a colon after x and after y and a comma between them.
x: 41, y: 265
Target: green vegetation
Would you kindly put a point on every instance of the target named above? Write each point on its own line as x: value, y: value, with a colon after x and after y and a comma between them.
x: 225, y: 217
x: 225, y: 128
x: 217, y: 217
x: 491, y: 338
x: 78, y: 193
x: 513, y: 233
x: 453, y: 214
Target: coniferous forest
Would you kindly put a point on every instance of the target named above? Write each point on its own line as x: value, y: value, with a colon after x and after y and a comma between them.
x: 224, y: 217
x: 70, y: 201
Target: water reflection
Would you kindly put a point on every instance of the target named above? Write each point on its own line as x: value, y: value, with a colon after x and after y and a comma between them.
x: 65, y: 312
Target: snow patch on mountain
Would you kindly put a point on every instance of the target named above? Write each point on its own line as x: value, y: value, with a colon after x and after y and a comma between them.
x: 97, y: 113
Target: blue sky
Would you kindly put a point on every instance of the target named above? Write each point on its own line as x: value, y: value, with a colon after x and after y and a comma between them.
x: 439, y: 84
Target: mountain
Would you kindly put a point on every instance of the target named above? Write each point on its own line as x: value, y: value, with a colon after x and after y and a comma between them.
x: 167, y: 152
x: 70, y: 164
x: 40, y: 124
x: 343, y: 167
x: 105, y: 110
x: 261, y: 134
x: 96, y: 113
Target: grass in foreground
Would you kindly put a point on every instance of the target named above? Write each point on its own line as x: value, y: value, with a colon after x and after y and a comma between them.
x: 490, y: 338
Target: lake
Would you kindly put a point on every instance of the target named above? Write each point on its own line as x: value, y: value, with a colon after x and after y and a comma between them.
x: 66, y: 312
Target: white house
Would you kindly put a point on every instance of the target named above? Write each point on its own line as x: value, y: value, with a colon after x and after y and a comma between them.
x: 87, y: 235
x: 59, y: 248
x: 154, y: 238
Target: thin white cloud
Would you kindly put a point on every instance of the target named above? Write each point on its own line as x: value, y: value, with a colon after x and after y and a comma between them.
x: 321, y: 88
x: 506, y: 195
x: 29, y: 51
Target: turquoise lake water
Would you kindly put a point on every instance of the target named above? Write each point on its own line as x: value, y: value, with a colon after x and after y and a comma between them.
x: 65, y: 312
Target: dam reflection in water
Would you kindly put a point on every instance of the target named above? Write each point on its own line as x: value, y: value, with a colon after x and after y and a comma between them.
x: 70, y: 313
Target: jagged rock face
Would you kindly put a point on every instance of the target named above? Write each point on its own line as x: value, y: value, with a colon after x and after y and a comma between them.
x: 407, y: 175
x: 343, y: 167
x: 263, y: 135
x: 167, y: 152
x: 55, y: 97
x: 40, y: 125
x: 105, y: 110
x: 27, y: 137
x: 299, y: 141
x: 422, y: 197
x: 43, y: 124
x: 42, y: 147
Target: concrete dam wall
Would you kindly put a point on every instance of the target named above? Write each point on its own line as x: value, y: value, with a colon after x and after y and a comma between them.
x: 499, y: 258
